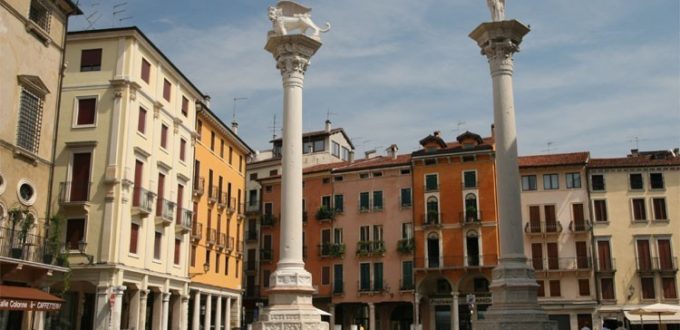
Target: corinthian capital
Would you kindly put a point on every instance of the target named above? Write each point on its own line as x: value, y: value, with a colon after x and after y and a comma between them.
x: 292, y: 52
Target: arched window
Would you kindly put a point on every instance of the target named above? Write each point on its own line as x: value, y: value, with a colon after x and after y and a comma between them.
x: 432, y: 210
x: 471, y: 213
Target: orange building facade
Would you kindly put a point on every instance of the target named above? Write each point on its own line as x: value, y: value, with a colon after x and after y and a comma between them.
x: 455, y: 229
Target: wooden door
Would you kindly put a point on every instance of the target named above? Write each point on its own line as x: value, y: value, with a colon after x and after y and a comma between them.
x: 581, y: 255
x: 553, y: 258
x: 80, y: 177
x: 537, y: 255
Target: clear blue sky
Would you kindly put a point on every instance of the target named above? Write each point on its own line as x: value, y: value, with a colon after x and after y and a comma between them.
x: 591, y: 75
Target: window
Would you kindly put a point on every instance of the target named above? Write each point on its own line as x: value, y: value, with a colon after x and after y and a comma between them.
x: 573, y: 180
x: 405, y: 171
x: 659, y: 205
x: 336, y: 149
x: 656, y: 180
x: 363, y: 202
x: 178, y: 249
x: 167, y: 88
x: 647, y: 284
x: 668, y: 287
x: 337, y: 235
x: 584, y: 287
x: 555, y: 289
x: 377, y: 200
x: 199, y: 128
x: 345, y: 154
x: 207, y: 259
x: 407, y: 275
x: 607, y: 288
x: 319, y: 145
x: 217, y: 262
x: 212, y: 141
x: 376, y: 174
x: 141, y: 120
x: 365, y: 277
x: 470, y: 179
x: 273, y: 172
x: 146, y: 70
x: 253, y: 176
x: 326, y: 180
x: 364, y: 233
x: 541, y: 288
x: 158, y: 237
x: 164, y: 136
x: 222, y: 148
x: 528, y: 182
x: 431, y: 182
x: 90, y: 60
x: 597, y: 182
x: 85, y: 113
x: 639, y: 212
x: 30, y: 119
x: 182, y: 149
x: 326, y: 202
x: 363, y: 176
x: 240, y: 163
x: 405, y: 197
x: 265, y: 278
x: 231, y: 155
x: 600, y: 207
x: 75, y: 233
x: 377, y: 276
x: 193, y: 255
x: 406, y: 230
x: 325, y: 275
x: 185, y: 106
x: 134, y: 235
x: 551, y: 181
x: 40, y: 15
x: 635, y: 180
x: 469, y: 158
x: 339, y: 203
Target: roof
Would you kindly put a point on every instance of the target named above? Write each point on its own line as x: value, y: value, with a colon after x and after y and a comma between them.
x: 321, y: 133
x: 376, y: 162
x: 573, y: 158
x: 639, y: 161
x: 455, y: 147
x: 230, y: 133
x: 146, y: 39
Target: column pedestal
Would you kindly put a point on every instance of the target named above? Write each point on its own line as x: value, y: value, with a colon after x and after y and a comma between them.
x: 513, y: 288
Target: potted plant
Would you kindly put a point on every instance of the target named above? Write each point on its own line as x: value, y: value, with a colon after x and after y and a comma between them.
x: 17, y: 217
x: 26, y: 225
x: 53, y: 239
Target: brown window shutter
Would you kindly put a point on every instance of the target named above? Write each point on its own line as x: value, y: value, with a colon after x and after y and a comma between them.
x: 164, y: 136
x: 178, y: 244
x: 555, y: 289
x: 185, y: 106
x: 146, y: 70
x: 141, y: 120
x: 134, y: 234
x: 86, y: 111
x: 166, y: 89
x: 91, y: 59
x: 584, y: 287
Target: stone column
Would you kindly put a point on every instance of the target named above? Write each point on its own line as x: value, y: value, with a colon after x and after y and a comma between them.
x: 290, y: 298
x: 208, y: 312
x: 143, y: 296
x: 196, y: 319
x: 218, y: 313
x: 102, y: 309
x: 157, y: 313
x: 184, y: 318
x: 416, y: 311
x: 455, y: 318
x: 371, y: 316
x: 513, y: 288
x: 331, y: 307
x: 165, y: 311
x: 133, y: 313
x: 117, y: 306
x: 227, y: 313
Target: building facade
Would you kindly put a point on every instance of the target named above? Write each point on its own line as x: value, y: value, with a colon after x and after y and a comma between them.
x: 557, y: 235
x: 32, y: 48
x: 123, y: 173
x: 634, y: 203
x: 216, y: 255
x: 455, y: 229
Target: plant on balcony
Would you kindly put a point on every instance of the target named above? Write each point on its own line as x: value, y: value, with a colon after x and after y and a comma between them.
x: 363, y: 248
x: 53, y: 239
x: 405, y: 246
x: 471, y: 214
x: 324, y: 213
x: 378, y: 248
x: 19, y: 216
x: 337, y: 250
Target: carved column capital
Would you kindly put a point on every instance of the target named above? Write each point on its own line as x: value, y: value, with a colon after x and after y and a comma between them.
x: 292, y: 53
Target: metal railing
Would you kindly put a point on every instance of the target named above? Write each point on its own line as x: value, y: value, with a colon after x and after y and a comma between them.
x: 605, y: 265
x: 222, y: 199
x: 199, y: 186
x: 580, y: 227
x: 142, y: 199
x: 470, y: 185
x: 184, y: 218
x: 168, y: 210
x: 268, y: 220
x: 213, y: 194
x: 325, y: 213
x: 251, y: 235
x: 656, y: 264
x: 24, y: 246
x: 370, y: 248
x: 470, y: 217
x: 74, y: 192
x: 371, y: 286
x: 431, y: 187
x: 197, y: 231
x: 561, y: 264
x: 212, y: 236
x: 405, y: 245
x: 406, y: 284
x: 457, y: 262
x: 239, y: 248
x: 543, y: 227
x: 431, y: 218
x: 332, y: 250
x: 221, y: 240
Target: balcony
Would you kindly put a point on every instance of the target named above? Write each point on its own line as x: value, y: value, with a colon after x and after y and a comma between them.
x: 240, y: 211
x: 605, y: 265
x: 370, y: 248
x: 325, y: 214
x: 221, y: 241
x: 471, y: 217
x: 74, y: 194
x: 456, y: 262
x: 432, y: 219
x: 183, y: 223
x: 268, y: 220
x: 406, y: 284
x: 213, y: 195
x: 469, y: 184
x: 20, y: 245
x: 222, y: 200
x: 338, y: 287
x: 142, y: 201
x: 232, y: 205
x: 230, y: 244
x: 239, y: 249
x: 568, y: 264
x: 167, y: 212
x: 332, y: 250
x: 266, y: 255
x: 252, y: 205
x: 580, y: 227
x: 251, y: 235
x: 199, y: 186
x: 543, y: 228
x: 656, y: 265
x: 406, y: 246
x: 251, y: 265
x: 371, y: 287
x: 212, y: 236
x: 196, y: 231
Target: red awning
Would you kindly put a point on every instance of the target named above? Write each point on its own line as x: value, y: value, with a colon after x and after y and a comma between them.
x: 27, y: 299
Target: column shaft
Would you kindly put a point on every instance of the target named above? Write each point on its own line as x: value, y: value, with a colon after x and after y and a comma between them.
x: 102, y: 310
x: 371, y: 316
x: 143, y: 297
x: 218, y: 313
x: 196, y: 319
x: 208, y: 312
x: 455, y: 318
x: 227, y: 314
x: 117, y: 307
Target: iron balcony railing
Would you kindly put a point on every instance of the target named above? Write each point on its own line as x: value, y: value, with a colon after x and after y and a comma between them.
x: 239, y: 248
x: 222, y: 199
x: 470, y: 184
x: 470, y: 217
x: 370, y: 248
x: 543, y: 227
x: 371, y: 286
x: 580, y: 227
x: 406, y: 245
x: 332, y: 250
x: 213, y: 194
x: 16, y: 244
x: 456, y: 262
x: 199, y: 186
x: 142, y: 200
x: 74, y: 192
x: 221, y: 240
x: 561, y: 264
x: 607, y: 265
x: 230, y: 244
x: 197, y: 231
x: 266, y: 254
x: 232, y: 205
x: 212, y: 236
x: 168, y: 211
x: 432, y: 218
x: 406, y: 284
x: 669, y: 264
x: 183, y: 222
x: 251, y: 235
x: 268, y: 220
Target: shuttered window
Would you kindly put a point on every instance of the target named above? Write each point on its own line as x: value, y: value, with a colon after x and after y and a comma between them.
x: 141, y: 121
x: 91, y: 60
x: 134, y: 236
x: 167, y: 87
x: 146, y: 70
x: 584, y: 287
x: 164, y: 136
x: 86, y: 111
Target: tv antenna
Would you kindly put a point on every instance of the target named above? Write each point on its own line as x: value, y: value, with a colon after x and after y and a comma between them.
x: 273, y: 127
x: 118, y: 8
x: 548, y: 148
x: 233, y: 114
x: 329, y: 113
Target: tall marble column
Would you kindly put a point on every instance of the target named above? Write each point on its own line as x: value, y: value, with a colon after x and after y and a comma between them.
x: 227, y: 314
x: 218, y: 313
x: 290, y: 296
x: 117, y: 306
x: 513, y: 288
x: 102, y: 308
x: 196, y: 319
x: 208, y: 312
x: 143, y: 297
x: 416, y: 311
x: 165, y: 312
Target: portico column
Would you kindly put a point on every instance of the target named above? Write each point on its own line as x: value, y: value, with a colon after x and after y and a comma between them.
x: 218, y: 313
x: 208, y: 312
x: 455, y: 318
x: 143, y: 296
x: 227, y: 313
x: 102, y: 310
x: 165, y: 312
x: 196, y: 319
x: 371, y: 316
x: 117, y: 306
x: 133, y: 310
x: 184, y: 318
x: 331, y: 307
x: 416, y: 311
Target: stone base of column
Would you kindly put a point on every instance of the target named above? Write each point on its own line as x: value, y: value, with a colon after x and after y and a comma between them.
x: 290, y: 303
x: 514, y: 300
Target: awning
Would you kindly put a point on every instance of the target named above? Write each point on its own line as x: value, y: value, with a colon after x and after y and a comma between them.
x: 653, y: 319
x: 19, y: 298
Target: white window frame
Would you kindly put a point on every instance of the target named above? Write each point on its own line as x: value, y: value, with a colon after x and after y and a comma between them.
x: 76, y: 111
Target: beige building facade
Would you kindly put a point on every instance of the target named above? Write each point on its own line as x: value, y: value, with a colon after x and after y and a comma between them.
x: 124, y: 171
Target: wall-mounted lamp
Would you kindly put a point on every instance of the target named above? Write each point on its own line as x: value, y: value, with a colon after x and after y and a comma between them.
x: 206, y: 268
x: 631, y: 291
x: 81, y: 248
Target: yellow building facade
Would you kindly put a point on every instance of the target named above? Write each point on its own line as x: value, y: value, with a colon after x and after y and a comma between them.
x: 216, y: 256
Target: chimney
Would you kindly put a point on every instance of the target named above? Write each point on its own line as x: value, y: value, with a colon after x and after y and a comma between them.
x: 328, y: 125
x: 370, y: 154
x: 234, y: 127
x: 437, y: 133
x: 634, y: 152
x: 676, y: 152
x: 206, y: 100
x: 493, y: 131
x: 392, y: 151
x: 351, y: 156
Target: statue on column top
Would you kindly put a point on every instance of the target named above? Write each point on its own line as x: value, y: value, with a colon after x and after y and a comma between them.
x: 497, y: 8
x: 288, y: 16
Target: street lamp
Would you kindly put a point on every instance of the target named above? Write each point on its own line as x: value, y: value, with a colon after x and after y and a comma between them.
x: 81, y: 248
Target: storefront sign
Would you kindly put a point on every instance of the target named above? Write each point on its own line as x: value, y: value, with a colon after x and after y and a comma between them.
x: 28, y: 305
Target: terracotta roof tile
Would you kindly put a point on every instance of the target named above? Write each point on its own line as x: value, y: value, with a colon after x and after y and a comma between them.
x: 376, y: 162
x: 574, y: 158
x: 632, y: 162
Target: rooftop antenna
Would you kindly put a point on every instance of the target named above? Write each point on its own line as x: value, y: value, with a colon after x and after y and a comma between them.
x: 273, y: 127
x: 233, y: 114
x: 329, y: 114
x: 637, y: 141
x: 549, y: 146
x: 118, y: 9
x: 458, y: 125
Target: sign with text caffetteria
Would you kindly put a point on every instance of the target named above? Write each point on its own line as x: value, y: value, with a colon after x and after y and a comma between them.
x: 28, y: 305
